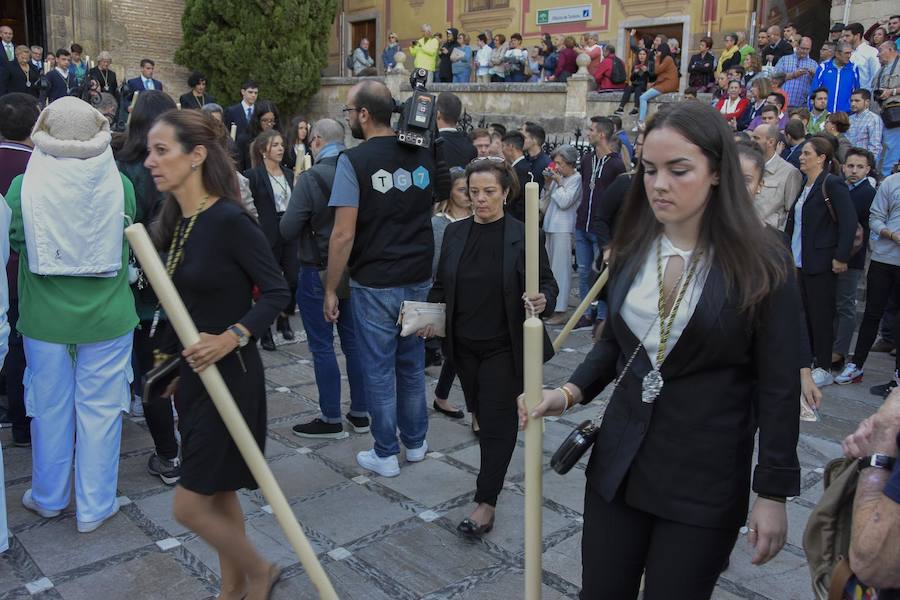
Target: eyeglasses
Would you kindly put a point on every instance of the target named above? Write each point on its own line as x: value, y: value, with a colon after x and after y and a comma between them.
x: 347, y: 109
x: 267, y: 121
x: 493, y: 159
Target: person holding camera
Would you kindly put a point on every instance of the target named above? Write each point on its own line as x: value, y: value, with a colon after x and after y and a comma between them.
x: 701, y: 347
x: 383, y: 195
x: 425, y: 52
x: 562, y: 196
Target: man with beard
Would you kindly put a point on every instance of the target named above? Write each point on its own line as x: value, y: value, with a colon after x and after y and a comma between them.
x: 382, y: 194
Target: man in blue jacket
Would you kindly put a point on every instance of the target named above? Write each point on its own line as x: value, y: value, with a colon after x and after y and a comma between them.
x: 840, y: 77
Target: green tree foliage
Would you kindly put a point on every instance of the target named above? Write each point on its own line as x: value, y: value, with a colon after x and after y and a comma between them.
x: 280, y: 44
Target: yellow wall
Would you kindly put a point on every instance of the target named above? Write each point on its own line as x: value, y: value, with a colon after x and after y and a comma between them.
x: 406, y: 16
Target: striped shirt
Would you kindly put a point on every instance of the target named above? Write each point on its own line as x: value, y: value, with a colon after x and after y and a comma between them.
x: 798, y: 88
x: 865, y: 132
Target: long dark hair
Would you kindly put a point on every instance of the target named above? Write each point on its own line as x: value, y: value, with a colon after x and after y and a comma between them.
x: 753, y: 262
x: 254, y: 128
x: 194, y: 128
x: 260, y: 145
x: 148, y: 107
x: 291, y: 135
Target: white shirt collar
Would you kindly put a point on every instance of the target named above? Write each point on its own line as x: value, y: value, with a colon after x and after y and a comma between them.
x: 669, y: 249
x: 518, y: 160
x: 447, y: 129
x: 63, y: 72
x: 246, y: 106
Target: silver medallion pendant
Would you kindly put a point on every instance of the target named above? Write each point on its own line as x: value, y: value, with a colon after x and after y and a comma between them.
x: 652, y: 386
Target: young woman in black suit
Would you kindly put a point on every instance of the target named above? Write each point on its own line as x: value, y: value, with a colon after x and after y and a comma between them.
x: 296, y: 142
x: 197, y: 98
x: 702, y: 340
x: 481, y: 277
x: 821, y: 240
x: 271, y: 185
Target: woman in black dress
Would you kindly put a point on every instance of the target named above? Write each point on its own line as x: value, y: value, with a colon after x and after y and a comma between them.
x: 19, y: 75
x: 197, y: 98
x: 271, y: 185
x: 701, y: 348
x: 481, y: 277
x: 215, y: 255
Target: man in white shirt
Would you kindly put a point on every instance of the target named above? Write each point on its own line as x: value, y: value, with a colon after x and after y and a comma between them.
x: 8, y: 53
x: 781, y: 181
x: 37, y: 57
x: 146, y: 82
x: 864, y: 56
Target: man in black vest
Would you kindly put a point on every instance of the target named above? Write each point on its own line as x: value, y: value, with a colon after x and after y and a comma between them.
x: 457, y: 148
x: 383, y: 194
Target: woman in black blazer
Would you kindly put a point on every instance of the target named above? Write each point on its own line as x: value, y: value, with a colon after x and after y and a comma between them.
x: 271, y: 186
x: 197, y: 97
x: 297, y: 140
x: 20, y: 76
x: 481, y: 277
x: 104, y: 76
x: 670, y: 471
x: 821, y: 240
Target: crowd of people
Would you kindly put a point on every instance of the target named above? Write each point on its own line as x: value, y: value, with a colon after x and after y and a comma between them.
x: 759, y: 216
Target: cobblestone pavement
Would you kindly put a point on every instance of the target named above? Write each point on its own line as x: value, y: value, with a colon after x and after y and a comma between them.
x: 377, y: 538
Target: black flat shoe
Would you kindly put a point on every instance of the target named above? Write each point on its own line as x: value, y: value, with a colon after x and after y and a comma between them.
x: 267, y: 342
x: 283, y: 324
x: 470, y: 528
x: 453, y: 414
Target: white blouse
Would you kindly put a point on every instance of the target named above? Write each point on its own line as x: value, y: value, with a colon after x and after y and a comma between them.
x: 640, y: 308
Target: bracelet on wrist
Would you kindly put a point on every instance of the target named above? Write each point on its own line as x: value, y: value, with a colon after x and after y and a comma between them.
x: 568, y: 397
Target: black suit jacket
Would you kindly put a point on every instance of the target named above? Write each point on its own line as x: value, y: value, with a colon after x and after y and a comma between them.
x: 444, y: 288
x: 59, y: 86
x: 823, y: 240
x: 516, y: 206
x: 188, y: 100
x: 14, y: 80
x: 235, y: 114
x: 264, y: 198
x: 110, y: 84
x: 861, y: 196
x: 687, y: 456
x: 457, y: 148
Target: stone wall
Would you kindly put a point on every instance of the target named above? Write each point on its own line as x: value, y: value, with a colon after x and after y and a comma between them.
x: 561, y: 108
x: 863, y: 11
x: 129, y: 29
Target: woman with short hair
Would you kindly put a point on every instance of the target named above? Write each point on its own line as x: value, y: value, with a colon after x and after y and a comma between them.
x: 105, y: 76
x: 197, y: 97
x: 481, y: 278
x: 19, y: 76
x: 562, y: 196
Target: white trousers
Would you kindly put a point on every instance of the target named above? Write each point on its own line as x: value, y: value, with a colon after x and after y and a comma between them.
x: 75, y: 395
x: 559, y: 249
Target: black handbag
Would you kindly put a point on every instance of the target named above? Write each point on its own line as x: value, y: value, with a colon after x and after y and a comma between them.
x: 891, y: 116
x: 159, y: 377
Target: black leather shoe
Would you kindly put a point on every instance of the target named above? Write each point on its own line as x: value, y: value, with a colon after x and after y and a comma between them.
x: 470, y: 528
x: 453, y: 414
x: 283, y: 324
x: 267, y: 342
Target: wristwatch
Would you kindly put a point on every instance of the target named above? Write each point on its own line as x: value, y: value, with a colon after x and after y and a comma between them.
x: 243, y: 338
x: 879, y: 461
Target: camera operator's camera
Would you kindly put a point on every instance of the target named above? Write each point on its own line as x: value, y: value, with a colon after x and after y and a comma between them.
x: 417, y: 125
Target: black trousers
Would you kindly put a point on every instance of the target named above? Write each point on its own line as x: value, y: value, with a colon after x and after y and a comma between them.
x: 157, y: 411
x: 445, y: 379
x: 488, y: 377
x: 287, y: 254
x: 818, y: 294
x: 14, y: 371
x: 619, y: 542
x: 637, y: 90
x: 882, y: 285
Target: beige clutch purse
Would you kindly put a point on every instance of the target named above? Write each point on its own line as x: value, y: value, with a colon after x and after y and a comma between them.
x: 418, y: 315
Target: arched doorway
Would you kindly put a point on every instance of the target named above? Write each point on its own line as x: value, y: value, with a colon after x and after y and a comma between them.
x: 26, y: 18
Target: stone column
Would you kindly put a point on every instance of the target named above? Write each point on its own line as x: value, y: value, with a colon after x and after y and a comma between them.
x: 577, y: 88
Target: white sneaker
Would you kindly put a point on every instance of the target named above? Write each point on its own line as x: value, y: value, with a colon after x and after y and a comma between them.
x: 89, y: 526
x: 417, y: 454
x: 850, y: 374
x: 821, y: 377
x: 386, y: 467
x: 137, y: 407
x: 29, y: 503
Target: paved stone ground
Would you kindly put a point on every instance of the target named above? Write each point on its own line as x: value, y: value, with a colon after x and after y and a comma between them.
x: 377, y: 538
